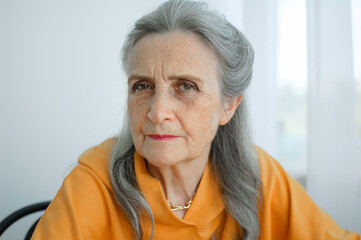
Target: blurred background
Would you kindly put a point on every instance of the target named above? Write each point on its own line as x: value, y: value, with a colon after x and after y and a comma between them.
x: 62, y: 91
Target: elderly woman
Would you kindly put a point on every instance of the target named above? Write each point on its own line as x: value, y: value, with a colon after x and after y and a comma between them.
x: 184, y: 166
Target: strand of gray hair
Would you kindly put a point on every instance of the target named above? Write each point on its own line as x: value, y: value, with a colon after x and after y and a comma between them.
x: 235, y: 163
x: 124, y: 184
x: 234, y: 159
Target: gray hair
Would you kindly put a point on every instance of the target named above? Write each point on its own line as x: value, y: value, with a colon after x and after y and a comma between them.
x: 233, y: 156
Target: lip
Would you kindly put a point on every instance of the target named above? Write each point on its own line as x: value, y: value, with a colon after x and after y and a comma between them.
x: 160, y: 137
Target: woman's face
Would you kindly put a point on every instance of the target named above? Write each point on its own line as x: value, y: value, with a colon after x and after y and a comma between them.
x: 174, y: 101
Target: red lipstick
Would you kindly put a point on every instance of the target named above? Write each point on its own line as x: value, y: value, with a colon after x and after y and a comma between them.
x: 159, y: 137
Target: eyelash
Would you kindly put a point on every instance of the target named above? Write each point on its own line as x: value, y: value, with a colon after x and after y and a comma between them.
x: 179, y: 85
x: 138, y: 84
x: 191, y: 84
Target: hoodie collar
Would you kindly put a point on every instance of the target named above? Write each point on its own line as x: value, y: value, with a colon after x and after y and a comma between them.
x: 206, y: 205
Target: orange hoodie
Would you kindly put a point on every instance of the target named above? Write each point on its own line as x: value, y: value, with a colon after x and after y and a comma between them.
x: 84, y: 207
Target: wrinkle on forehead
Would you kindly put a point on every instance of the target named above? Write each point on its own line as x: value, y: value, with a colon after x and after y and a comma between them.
x: 176, y: 55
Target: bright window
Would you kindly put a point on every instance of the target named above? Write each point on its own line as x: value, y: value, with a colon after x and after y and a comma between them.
x: 292, y: 87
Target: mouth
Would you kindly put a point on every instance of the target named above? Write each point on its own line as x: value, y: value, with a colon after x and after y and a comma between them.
x: 159, y: 137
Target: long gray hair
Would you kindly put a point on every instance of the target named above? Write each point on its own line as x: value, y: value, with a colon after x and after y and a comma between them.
x: 233, y: 156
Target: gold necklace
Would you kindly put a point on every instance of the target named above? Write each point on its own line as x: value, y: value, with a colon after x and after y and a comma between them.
x: 180, y: 207
x: 172, y: 206
x: 187, y: 205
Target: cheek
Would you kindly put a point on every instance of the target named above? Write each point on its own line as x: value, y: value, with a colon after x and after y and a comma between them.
x: 137, y: 114
x: 202, y: 122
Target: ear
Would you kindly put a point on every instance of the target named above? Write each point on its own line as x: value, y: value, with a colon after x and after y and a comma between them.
x: 229, y: 109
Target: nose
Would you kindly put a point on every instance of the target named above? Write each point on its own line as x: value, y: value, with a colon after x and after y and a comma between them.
x: 161, y: 107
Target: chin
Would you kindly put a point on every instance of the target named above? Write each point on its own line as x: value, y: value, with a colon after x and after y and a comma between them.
x: 163, y: 158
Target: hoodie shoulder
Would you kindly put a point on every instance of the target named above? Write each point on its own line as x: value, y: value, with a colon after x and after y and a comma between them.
x: 97, y: 159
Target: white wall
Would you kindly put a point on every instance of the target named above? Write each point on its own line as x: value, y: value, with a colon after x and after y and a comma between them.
x: 61, y: 91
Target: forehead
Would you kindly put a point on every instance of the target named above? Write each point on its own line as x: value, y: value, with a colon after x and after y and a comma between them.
x: 173, y: 53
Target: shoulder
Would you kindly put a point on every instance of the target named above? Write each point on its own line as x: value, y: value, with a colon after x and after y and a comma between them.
x: 84, y: 207
x: 282, y: 201
x: 277, y: 183
x: 96, y: 160
x: 266, y: 161
x: 287, y: 211
x: 269, y: 167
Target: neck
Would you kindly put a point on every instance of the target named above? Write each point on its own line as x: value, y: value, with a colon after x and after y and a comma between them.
x: 179, y: 181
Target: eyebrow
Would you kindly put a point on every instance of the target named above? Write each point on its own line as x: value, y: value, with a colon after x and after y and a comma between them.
x: 186, y: 77
x: 172, y: 77
x: 137, y: 76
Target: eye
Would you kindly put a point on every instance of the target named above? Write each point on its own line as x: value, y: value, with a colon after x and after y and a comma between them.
x: 186, y: 86
x: 141, y: 86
